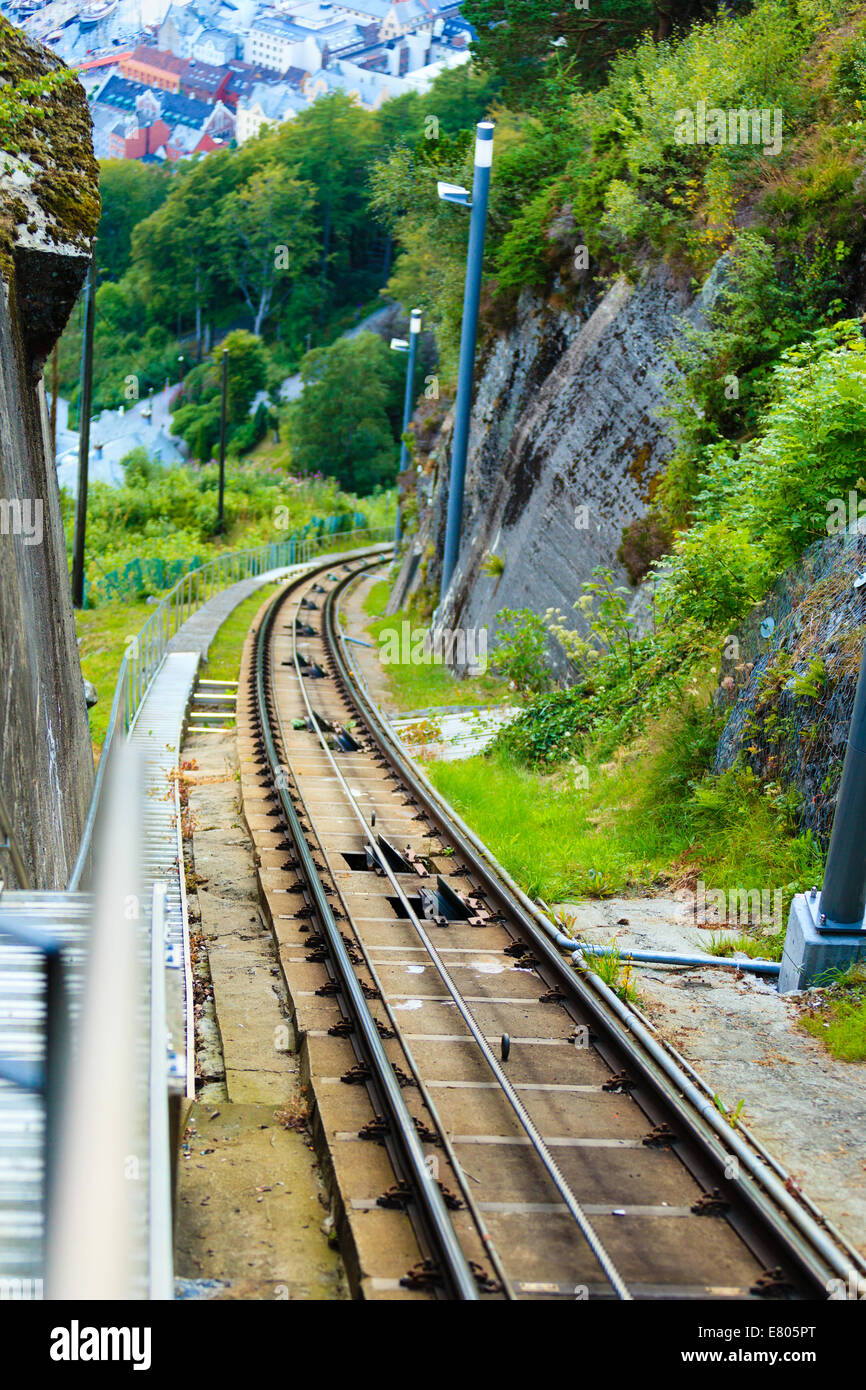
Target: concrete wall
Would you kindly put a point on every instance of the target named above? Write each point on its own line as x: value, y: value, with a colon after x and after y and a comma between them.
x: 46, y: 764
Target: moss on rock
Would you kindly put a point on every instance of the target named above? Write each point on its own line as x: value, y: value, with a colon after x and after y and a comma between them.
x: 49, y: 188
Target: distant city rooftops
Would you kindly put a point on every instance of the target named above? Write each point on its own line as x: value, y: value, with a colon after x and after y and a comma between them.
x: 157, y: 58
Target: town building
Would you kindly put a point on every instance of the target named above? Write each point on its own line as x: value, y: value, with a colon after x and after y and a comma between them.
x: 214, y: 46
x: 281, y: 45
x: 265, y: 106
x: 211, y: 71
x: 205, y: 82
x: 179, y: 30
x: 153, y: 67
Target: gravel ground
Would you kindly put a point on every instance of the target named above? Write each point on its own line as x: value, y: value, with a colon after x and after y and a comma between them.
x: 743, y: 1038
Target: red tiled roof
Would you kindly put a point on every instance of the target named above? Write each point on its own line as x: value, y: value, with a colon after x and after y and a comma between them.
x: 156, y: 58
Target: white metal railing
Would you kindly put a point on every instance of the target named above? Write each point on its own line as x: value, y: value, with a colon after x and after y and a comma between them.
x: 147, y: 649
x: 108, y: 1197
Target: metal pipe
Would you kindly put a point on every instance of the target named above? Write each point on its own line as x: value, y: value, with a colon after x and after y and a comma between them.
x: 414, y: 332
x: 578, y: 948
x: 468, y: 339
x: 843, y: 895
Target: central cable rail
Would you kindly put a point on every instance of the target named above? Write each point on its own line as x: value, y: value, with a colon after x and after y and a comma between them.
x: 574, y: 1208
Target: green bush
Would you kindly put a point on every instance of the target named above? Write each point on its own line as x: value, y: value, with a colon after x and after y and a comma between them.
x: 521, y: 649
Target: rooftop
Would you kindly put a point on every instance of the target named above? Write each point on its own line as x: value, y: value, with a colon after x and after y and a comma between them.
x: 156, y: 58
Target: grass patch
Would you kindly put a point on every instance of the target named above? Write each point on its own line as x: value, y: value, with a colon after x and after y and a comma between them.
x: 756, y: 947
x: 423, y: 685
x: 104, y: 633
x: 615, y: 971
x: 646, y: 822
x: 376, y: 598
x: 224, y: 657
x: 839, y: 1020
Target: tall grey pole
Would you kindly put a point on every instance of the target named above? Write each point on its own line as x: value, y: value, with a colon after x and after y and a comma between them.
x: 84, y: 405
x: 468, y: 340
x: 843, y: 895
x: 414, y: 331
x: 223, y: 400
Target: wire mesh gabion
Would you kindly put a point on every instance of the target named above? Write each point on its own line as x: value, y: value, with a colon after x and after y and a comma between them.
x: 789, y: 678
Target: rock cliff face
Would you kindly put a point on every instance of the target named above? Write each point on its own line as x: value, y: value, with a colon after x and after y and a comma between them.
x: 789, y: 685
x: 48, y: 209
x: 565, y: 442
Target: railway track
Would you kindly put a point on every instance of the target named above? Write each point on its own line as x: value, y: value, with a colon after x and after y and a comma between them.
x: 491, y: 1128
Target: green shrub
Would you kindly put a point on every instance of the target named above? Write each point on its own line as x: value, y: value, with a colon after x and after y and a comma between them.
x: 521, y: 649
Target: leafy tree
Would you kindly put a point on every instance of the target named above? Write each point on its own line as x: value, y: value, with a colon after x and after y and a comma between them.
x: 196, y: 416
x: 130, y: 192
x: 267, y: 238
x: 519, y: 40
x: 340, y: 424
x: 177, y: 252
x: 247, y: 372
x: 331, y: 145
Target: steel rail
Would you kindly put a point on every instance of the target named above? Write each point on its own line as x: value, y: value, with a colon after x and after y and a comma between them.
x: 427, y: 1099
x: 432, y: 1205
x: 801, y: 1236
x: 525, y: 1120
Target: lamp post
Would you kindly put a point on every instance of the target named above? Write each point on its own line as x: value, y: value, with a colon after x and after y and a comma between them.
x: 400, y: 345
x: 451, y: 193
x: 223, y: 400
x: 84, y: 404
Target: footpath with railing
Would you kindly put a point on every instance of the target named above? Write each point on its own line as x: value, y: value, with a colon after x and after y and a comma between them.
x: 93, y: 1074
x: 196, y: 587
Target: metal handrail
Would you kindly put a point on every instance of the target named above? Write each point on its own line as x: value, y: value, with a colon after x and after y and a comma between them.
x: 98, y: 1180
x: 146, y: 650
x: 159, y: 1227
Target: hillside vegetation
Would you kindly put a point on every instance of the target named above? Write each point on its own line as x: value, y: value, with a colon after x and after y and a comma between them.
x: 595, y: 177
x: 599, y: 172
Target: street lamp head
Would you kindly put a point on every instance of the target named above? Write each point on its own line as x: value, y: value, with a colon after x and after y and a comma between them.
x: 453, y: 193
x: 484, y: 144
x: 399, y: 345
x: 415, y: 321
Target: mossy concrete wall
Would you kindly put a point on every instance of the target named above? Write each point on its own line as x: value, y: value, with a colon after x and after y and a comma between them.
x: 49, y: 204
